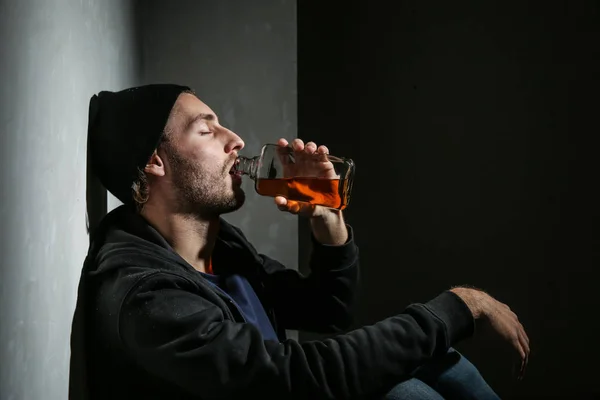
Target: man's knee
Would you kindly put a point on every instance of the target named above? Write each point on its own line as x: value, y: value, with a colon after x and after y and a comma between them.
x: 454, y: 376
x: 413, y: 389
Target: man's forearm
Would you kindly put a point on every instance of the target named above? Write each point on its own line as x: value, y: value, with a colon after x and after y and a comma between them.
x: 330, y: 228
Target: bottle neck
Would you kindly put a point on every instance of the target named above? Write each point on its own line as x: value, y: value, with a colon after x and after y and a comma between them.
x: 247, y: 166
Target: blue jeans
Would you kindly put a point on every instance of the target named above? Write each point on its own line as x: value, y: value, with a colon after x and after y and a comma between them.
x: 451, y: 377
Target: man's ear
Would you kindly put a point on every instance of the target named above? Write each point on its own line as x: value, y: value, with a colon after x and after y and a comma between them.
x: 155, y: 165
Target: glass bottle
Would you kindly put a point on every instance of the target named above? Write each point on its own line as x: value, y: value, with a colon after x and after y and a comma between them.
x: 319, y: 179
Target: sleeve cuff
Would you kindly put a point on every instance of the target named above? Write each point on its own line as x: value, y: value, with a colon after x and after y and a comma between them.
x: 336, y: 257
x: 455, y: 314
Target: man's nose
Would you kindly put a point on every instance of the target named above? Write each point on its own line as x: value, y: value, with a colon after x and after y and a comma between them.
x: 235, y: 143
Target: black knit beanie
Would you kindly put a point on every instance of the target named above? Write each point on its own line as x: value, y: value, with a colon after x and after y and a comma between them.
x: 124, y: 129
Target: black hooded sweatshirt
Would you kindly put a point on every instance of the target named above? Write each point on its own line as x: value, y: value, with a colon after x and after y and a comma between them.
x: 149, y: 326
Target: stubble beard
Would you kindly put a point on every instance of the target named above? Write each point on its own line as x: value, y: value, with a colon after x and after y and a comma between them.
x: 200, y: 193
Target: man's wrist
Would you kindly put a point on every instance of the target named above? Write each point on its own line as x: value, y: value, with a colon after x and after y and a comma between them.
x: 475, y: 299
x: 329, y: 228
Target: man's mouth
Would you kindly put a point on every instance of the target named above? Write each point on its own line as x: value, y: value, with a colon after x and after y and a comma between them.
x: 233, y: 171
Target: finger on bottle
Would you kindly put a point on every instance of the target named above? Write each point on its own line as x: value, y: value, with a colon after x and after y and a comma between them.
x: 323, y: 149
x: 298, y: 144
x: 310, y: 147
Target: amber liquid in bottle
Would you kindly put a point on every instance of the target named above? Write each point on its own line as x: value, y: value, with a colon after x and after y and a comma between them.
x: 327, y: 192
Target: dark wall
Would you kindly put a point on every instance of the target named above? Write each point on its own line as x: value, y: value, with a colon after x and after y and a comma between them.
x: 472, y: 125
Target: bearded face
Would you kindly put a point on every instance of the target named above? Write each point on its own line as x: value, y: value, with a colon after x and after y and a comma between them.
x: 203, y: 184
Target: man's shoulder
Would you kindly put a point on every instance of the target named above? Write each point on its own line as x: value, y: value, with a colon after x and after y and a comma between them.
x: 125, y: 269
x: 133, y: 260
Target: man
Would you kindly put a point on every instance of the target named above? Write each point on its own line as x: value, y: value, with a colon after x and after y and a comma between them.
x: 174, y: 302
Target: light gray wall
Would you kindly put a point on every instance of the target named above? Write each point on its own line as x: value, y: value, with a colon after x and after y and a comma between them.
x: 240, y: 57
x: 53, y: 56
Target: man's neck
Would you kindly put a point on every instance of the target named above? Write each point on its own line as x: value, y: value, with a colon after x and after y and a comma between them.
x: 193, y: 238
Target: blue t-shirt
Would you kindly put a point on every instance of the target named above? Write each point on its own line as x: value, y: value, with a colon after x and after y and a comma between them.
x: 243, y: 295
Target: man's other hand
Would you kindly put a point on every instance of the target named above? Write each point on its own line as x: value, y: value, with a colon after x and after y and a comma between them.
x: 500, y: 318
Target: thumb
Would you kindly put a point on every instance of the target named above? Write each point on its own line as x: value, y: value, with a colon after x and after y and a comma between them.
x: 286, y: 205
x: 281, y: 203
x: 294, y: 207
